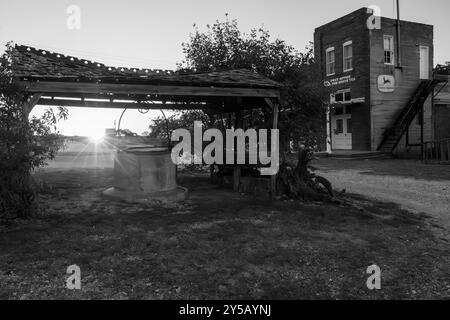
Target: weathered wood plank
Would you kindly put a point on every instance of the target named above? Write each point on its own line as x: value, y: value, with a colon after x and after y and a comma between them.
x: 32, y: 102
x: 74, y: 87
x: 120, y: 105
x: 273, y: 178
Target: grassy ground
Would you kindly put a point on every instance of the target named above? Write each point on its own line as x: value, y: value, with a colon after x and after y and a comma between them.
x: 218, y: 244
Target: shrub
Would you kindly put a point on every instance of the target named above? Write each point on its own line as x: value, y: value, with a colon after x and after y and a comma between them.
x: 25, y: 144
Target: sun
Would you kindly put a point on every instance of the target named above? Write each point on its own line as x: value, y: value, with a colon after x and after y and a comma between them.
x: 96, y: 137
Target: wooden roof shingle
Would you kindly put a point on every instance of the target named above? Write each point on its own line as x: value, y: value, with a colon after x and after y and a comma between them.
x: 36, y: 64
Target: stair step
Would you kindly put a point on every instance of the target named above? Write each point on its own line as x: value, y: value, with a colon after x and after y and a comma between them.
x: 406, y: 116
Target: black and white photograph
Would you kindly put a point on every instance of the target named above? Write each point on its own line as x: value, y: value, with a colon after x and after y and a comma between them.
x: 224, y: 156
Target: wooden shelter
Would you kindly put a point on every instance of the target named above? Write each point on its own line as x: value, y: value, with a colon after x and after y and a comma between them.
x: 56, y: 79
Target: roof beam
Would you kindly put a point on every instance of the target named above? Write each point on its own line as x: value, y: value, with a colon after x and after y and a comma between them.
x: 102, y: 88
x: 120, y: 105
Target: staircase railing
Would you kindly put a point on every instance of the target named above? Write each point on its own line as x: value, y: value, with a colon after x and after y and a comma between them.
x: 408, y: 113
x: 415, y: 104
x: 437, y: 151
x: 441, y: 74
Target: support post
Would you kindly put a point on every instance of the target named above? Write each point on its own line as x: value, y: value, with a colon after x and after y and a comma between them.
x: 421, y: 129
x: 424, y: 154
x: 237, y: 169
x: 236, y: 178
x: 328, y: 121
x: 32, y: 102
x: 397, y: 29
x: 273, y: 178
x: 448, y: 150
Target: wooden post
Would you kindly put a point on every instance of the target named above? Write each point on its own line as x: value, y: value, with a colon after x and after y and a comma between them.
x: 448, y: 150
x: 273, y: 178
x: 434, y: 151
x: 421, y: 129
x: 32, y: 101
x: 424, y: 153
x: 237, y: 169
x: 236, y: 178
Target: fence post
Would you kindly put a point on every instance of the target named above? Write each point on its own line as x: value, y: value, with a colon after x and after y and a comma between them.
x: 424, y: 152
x: 448, y: 150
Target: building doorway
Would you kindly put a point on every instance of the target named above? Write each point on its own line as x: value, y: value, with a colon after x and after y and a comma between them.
x: 341, y: 128
x: 441, y: 119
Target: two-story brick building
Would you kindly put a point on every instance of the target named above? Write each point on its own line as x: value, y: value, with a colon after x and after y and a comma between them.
x: 380, y: 78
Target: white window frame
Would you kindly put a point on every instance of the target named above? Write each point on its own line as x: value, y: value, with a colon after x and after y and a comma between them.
x: 328, y: 62
x: 343, y: 92
x: 346, y: 44
x: 427, y: 75
x: 392, y: 51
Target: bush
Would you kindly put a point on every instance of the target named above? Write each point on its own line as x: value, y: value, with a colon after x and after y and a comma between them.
x: 25, y: 144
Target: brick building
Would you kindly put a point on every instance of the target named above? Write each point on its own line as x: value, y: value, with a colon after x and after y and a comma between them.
x: 381, y: 83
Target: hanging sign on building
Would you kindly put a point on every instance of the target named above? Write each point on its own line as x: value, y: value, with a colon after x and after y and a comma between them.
x: 337, y: 81
x: 386, y: 83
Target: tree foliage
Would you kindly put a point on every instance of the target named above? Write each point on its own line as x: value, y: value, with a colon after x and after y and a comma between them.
x: 223, y: 46
x: 25, y: 143
x: 163, y: 127
x: 302, y: 113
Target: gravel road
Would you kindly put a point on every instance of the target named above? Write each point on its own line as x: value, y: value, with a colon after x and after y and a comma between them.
x: 414, y: 186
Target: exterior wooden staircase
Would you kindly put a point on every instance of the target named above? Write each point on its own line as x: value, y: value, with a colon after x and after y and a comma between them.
x: 393, y: 135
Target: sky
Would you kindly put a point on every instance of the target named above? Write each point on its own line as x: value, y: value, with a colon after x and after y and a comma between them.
x: 148, y: 33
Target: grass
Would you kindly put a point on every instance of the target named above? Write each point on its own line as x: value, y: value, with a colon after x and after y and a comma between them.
x: 216, y: 245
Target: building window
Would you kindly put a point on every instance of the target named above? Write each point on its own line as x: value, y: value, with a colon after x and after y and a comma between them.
x: 329, y: 57
x: 339, y: 126
x: 347, y: 96
x: 341, y: 96
x: 349, y: 125
x: 388, y: 49
x: 347, y: 50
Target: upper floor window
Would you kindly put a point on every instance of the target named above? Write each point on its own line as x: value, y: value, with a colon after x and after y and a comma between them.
x: 388, y: 49
x: 341, y: 96
x: 347, y: 50
x: 330, y: 61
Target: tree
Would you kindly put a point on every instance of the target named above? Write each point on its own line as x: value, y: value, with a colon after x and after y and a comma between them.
x: 302, y: 112
x: 223, y: 46
x: 163, y: 127
x: 25, y: 144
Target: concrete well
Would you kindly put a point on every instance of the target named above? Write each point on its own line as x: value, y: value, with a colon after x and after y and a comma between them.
x: 144, y: 173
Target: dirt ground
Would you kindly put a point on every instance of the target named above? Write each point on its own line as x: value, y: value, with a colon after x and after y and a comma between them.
x: 415, y: 186
x: 217, y: 244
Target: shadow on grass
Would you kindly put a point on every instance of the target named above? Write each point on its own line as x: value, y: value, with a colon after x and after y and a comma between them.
x: 216, y: 245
